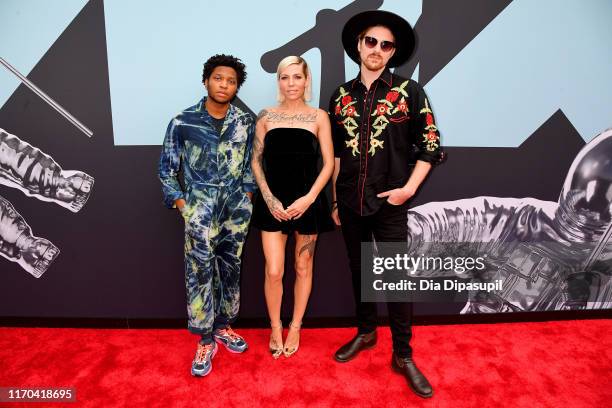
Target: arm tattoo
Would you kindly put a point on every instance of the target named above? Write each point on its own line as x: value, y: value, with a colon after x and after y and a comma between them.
x: 272, y: 202
x: 257, y: 164
x: 263, y: 113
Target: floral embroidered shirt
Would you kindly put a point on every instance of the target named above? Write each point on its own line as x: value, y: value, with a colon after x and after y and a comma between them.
x: 205, y: 155
x: 378, y: 135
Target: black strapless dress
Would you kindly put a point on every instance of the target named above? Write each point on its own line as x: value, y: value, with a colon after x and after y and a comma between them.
x: 290, y: 160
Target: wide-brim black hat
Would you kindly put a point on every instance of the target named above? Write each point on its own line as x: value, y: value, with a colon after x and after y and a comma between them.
x: 401, y: 29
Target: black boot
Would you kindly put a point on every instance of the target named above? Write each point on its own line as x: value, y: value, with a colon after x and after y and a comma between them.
x: 416, y: 380
x: 353, y: 347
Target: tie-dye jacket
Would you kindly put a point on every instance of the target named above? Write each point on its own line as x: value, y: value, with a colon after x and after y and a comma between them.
x: 206, y: 158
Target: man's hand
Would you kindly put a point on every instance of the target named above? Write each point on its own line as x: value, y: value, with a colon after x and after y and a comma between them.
x: 250, y: 195
x: 397, y: 196
x: 335, y: 216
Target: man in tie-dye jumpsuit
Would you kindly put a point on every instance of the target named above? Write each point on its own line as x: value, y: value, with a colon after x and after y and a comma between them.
x: 210, y: 143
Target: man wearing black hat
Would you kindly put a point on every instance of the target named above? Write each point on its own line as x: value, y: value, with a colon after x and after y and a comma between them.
x: 382, y: 123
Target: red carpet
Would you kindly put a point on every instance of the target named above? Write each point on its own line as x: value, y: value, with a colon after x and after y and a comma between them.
x: 552, y: 364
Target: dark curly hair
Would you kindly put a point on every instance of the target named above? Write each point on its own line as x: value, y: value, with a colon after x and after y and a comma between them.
x: 222, y: 60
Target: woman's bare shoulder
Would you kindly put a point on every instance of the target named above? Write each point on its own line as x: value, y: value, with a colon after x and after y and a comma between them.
x: 322, y: 116
x: 264, y: 113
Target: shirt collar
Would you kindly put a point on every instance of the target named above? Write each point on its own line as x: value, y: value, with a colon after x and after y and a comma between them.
x: 200, y: 107
x: 386, y: 76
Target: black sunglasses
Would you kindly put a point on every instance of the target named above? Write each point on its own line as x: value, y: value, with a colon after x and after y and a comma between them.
x: 371, y: 42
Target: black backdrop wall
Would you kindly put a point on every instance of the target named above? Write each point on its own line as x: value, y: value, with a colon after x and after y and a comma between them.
x: 121, y: 255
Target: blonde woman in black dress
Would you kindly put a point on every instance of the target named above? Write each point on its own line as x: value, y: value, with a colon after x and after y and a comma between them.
x: 288, y: 140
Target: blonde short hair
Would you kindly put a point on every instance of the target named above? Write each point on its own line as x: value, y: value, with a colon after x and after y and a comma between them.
x: 291, y: 60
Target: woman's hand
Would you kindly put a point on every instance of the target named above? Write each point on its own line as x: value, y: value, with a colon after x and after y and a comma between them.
x: 276, y: 208
x: 299, y: 206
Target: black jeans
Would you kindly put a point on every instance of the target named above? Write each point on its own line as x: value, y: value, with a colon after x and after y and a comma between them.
x: 388, y: 224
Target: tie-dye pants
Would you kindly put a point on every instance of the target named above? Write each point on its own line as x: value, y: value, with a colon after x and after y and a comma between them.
x: 216, y: 224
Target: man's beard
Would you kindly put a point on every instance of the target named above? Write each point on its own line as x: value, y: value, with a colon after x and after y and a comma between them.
x: 374, y: 64
x: 220, y: 102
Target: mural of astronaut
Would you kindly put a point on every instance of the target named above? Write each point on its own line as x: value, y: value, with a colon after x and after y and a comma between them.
x: 36, y: 174
x: 549, y: 256
x: 17, y: 244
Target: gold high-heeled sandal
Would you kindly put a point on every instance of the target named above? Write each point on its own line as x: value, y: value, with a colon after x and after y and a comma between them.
x: 276, y: 349
x: 288, y: 352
